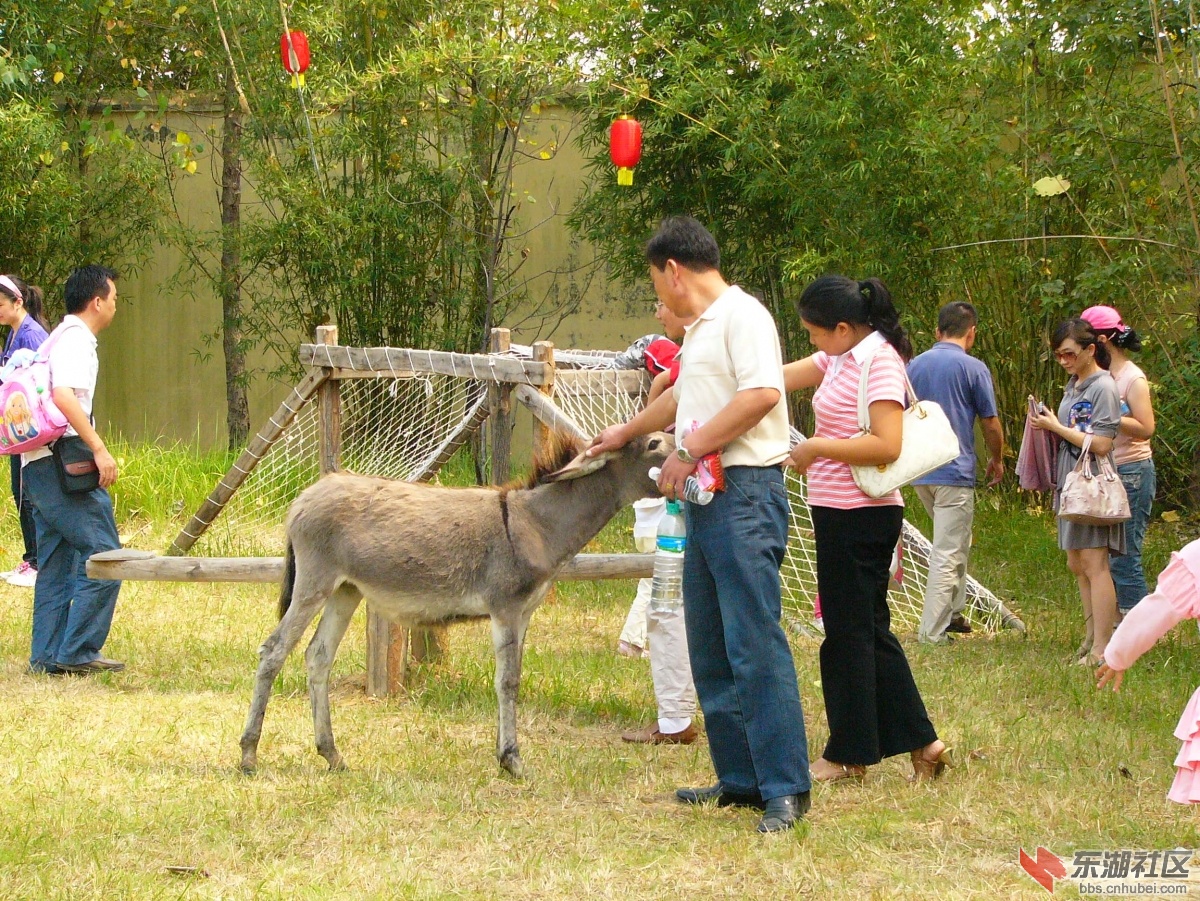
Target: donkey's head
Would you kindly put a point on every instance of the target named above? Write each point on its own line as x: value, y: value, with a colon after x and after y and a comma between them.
x: 628, y: 466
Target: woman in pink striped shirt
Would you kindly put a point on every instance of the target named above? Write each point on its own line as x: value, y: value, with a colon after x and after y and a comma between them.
x: 871, y: 700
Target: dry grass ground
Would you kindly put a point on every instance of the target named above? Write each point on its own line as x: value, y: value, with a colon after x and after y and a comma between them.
x: 108, y: 782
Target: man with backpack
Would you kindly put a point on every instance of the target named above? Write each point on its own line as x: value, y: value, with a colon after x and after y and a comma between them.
x: 72, y: 614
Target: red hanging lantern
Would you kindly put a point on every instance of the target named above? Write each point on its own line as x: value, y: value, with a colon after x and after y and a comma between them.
x: 625, y: 147
x: 293, y: 50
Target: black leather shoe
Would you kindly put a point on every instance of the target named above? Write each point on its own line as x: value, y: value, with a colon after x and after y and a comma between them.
x: 716, y: 794
x: 782, y: 813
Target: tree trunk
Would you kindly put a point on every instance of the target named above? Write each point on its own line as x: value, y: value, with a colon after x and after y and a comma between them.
x: 237, y: 408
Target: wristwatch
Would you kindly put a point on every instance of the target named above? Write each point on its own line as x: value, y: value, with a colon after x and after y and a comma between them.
x: 682, y: 453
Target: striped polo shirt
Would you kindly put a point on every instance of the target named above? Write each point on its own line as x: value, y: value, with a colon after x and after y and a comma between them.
x: 835, y: 404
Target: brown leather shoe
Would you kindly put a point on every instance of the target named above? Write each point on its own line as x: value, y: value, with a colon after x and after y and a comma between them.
x: 651, y: 736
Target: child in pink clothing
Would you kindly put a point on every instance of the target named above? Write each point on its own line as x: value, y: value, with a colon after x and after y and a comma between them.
x: 1175, y: 599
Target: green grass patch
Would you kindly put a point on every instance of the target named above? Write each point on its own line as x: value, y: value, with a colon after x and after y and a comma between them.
x: 109, y: 781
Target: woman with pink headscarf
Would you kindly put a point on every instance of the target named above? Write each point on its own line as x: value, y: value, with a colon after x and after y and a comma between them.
x: 1131, y: 449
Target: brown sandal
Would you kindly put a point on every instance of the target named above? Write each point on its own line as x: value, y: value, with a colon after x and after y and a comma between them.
x: 827, y: 771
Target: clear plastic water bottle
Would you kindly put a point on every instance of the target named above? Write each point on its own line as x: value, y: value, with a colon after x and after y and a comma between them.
x: 666, y: 589
x: 691, y: 488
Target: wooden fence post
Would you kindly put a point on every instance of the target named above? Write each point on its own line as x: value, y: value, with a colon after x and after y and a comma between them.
x: 543, y: 352
x: 500, y: 419
x: 385, y: 640
x: 329, y: 399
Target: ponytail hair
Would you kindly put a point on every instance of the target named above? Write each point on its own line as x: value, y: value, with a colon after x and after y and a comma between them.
x: 31, y: 296
x: 835, y: 298
x: 1123, y: 337
x: 1127, y: 339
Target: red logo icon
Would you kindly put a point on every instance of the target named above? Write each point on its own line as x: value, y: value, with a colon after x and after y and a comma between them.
x: 1045, y: 868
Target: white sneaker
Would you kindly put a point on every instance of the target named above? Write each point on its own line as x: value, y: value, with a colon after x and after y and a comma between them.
x: 24, y: 576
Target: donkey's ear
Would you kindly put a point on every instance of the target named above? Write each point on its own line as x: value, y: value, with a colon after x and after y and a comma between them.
x: 581, y: 466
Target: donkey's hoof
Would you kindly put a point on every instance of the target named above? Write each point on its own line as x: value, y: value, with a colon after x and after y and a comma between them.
x: 512, y: 762
x: 336, y: 763
x: 248, y: 767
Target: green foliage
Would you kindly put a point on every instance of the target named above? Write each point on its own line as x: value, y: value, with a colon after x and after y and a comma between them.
x: 889, y: 139
x: 73, y: 189
x: 785, y: 132
x: 163, y: 483
x: 1175, y: 388
x: 56, y: 213
x: 404, y: 218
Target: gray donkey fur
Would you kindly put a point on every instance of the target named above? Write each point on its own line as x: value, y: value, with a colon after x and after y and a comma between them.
x: 427, y: 555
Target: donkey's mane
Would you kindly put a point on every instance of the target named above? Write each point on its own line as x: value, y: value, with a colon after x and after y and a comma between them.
x: 550, y: 457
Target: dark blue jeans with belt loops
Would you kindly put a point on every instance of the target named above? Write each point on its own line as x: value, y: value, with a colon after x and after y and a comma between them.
x: 741, y: 662
x: 72, y: 614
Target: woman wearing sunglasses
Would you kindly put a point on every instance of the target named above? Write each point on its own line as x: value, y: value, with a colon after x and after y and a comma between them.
x: 1090, y: 405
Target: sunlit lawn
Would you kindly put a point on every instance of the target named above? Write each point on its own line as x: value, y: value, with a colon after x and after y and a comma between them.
x: 108, y: 782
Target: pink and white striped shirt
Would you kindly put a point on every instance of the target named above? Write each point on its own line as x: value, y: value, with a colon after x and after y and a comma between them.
x: 835, y: 404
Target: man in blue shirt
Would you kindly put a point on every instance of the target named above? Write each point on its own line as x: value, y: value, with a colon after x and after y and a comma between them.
x: 962, y: 385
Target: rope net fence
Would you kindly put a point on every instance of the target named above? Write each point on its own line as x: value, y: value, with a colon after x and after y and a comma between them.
x: 396, y: 425
x: 392, y: 426
x: 594, y: 409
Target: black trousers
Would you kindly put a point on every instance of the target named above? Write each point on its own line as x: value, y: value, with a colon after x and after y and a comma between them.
x: 24, y: 513
x: 871, y: 701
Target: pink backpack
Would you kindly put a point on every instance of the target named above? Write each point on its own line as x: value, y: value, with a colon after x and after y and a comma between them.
x: 29, y: 418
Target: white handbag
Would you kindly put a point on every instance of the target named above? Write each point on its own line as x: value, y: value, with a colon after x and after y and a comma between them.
x: 928, y: 442
x: 1093, y: 499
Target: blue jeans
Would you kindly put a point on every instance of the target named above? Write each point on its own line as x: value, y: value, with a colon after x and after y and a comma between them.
x: 71, y: 613
x: 1127, y: 574
x: 741, y: 662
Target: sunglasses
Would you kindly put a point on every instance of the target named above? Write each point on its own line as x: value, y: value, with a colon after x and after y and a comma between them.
x: 1068, y: 356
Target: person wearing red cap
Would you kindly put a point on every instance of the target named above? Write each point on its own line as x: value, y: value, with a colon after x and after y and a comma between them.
x: 665, y: 632
x: 1131, y: 450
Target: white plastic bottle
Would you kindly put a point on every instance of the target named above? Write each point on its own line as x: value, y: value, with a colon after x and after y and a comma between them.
x: 691, y: 488
x: 666, y: 591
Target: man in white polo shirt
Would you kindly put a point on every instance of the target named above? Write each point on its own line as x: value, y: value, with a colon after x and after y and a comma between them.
x: 731, y: 385
x: 72, y: 614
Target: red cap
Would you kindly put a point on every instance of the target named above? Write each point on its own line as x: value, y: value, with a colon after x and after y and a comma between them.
x: 660, y: 354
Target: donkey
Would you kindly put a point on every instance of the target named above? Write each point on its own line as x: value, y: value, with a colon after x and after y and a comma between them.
x: 426, y: 555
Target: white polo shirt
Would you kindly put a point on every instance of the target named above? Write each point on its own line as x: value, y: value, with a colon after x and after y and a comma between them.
x: 733, y: 346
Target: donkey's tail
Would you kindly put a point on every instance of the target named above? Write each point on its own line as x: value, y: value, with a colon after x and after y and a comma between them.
x: 289, y: 580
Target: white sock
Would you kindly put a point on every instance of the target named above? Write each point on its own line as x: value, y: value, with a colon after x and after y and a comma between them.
x: 668, y: 725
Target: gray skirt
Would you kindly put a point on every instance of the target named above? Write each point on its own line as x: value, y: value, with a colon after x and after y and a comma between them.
x: 1075, y: 536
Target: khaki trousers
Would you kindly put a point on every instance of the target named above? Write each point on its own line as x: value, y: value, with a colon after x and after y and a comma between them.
x: 952, y: 508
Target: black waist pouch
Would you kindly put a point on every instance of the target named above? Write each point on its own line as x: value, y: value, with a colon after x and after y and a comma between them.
x: 76, y: 465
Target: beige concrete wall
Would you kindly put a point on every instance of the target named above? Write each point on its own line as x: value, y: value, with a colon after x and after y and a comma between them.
x: 159, y: 376
x: 161, y: 379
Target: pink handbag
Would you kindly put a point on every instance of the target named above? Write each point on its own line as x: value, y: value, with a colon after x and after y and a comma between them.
x: 1093, y: 499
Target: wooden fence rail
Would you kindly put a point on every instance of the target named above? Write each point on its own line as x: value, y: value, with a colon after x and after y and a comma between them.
x: 149, y: 567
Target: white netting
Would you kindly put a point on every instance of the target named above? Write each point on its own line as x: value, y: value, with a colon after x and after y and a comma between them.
x: 396, y: 427
x: 907, y: 589
x: 403, y: 426
x: 597, y: 398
